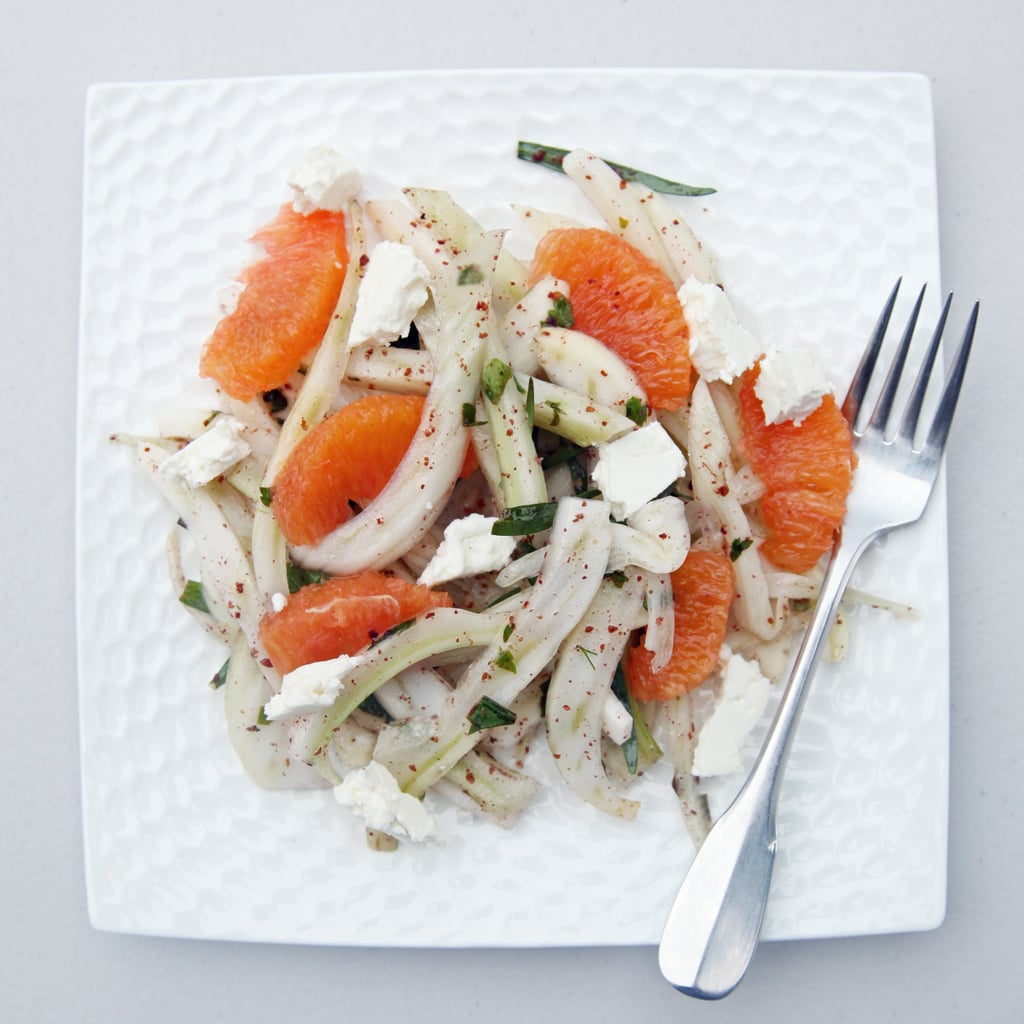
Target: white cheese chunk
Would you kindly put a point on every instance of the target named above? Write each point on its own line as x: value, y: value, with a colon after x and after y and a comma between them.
x: 720, y: 346
x: 209, y: 455
x: 392, y: 292
x: 791, y: 385
x: 310, y: 687
x: 468, y: 548
x: 741, y: 700
x: 324, y: 180
x: 374, y: 794
x: 634, y: 468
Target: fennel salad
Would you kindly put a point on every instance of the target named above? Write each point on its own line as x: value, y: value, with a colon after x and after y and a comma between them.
x: 450, y: 504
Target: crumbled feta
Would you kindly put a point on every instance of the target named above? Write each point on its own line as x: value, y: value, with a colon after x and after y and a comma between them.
x: 468, y: 548
x: 616, y: 721
x: 791, y: 385
x: 310, y: 687
x: 209, y: 455
x: 391, y: 293
x: 324, y: 180
x: 374, y: 794
x: 742, y: 695
x: 634, y: 468
x: 278, y: 601
x: 720, y: 346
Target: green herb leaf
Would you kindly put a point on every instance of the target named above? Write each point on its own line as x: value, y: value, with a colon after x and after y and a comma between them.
x: 398, y: 627
x: 221, y: 676
x: 266, y: 496
x: 469, y: 415
x: 530, y: 407
x: 489, y: 714
x: 507, y: 632
x: 505, y: 660
x: 636, y: 410
x: 261, y: 718
x: 739, y: 546
x: 556, y: 409
x: 617, y: 578
x: 495, y: 376
x: 623, y: 223
x: 372, y: 706
x: 521, y: 519
x: 560, y: 313
x: 193, y: 597
x: 589, y: 655
x: 552, y: 156
x: 470, y: 274
x: 299, y: 577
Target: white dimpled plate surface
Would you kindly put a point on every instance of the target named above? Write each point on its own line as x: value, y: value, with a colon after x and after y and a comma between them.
x: 826, y: 194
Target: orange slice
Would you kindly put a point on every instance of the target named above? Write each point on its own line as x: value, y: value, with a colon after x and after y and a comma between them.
x: 342, y: 616
x: 807, y: 471
x: 625, y: 300
x: 703, y: 589
x: 285, y: 307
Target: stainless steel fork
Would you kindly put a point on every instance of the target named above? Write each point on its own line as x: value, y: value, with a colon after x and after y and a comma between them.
x: 715, y: 921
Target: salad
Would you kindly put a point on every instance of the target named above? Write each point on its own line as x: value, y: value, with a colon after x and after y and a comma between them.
x: 450, y: 504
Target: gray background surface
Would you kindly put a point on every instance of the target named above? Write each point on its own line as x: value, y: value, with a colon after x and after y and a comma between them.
x: 53, y: 966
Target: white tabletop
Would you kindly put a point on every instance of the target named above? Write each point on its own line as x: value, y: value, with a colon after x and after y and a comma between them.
x: 53, y: 966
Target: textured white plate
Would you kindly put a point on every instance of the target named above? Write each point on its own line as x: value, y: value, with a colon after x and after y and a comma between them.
x: 826, y: 194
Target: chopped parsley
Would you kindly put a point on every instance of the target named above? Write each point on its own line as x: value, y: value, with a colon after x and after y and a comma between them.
x: 220, y: 676
x: 522, y: 519
x: 299, y: 577
x: 193, y: 597
x: 470, y: 274
x: 738, y: 546
x: 496, y: 375
x: 560, y: 313
x: 636, y: 410
x: 469, y: 415
x: 505, y: 660
x: 489, y: 714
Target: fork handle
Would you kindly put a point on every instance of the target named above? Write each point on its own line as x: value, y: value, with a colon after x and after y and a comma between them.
x: 714, y: 924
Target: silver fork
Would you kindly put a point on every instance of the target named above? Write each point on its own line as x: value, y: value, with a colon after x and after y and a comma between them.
x: 715, y: 921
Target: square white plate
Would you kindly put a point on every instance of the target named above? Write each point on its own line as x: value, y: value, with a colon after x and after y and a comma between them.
x: 826, y: 194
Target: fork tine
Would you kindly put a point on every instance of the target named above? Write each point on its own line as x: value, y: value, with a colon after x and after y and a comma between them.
x: 862, y: 378
x: 883, y: 407
x: 908, y: 425
x: 936, y: 440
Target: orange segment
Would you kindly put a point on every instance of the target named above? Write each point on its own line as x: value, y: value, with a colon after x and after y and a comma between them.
x: 807, y: 471
x: 342, y: 616
x: 703, y: 591
x: 351, y: 456
x: 625, y: 300
x: 285, y: 307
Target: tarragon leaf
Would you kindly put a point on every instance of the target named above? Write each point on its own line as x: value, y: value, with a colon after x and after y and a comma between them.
x: 552, y: 156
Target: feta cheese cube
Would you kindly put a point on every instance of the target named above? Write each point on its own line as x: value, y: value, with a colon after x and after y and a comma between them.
x: 468, y: 549
x: 212, y: 453
x: 791, y: 385
x: 742, y: 696
x: 391, y: 293
x: 720, y: 347
x: 324, y: 180
x: 637, y: 467
x: 374, y: 794
x: 310, y: 687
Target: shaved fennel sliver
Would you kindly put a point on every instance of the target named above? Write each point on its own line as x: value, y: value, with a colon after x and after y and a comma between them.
x: 579, y: 688
x: 417, y: 492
